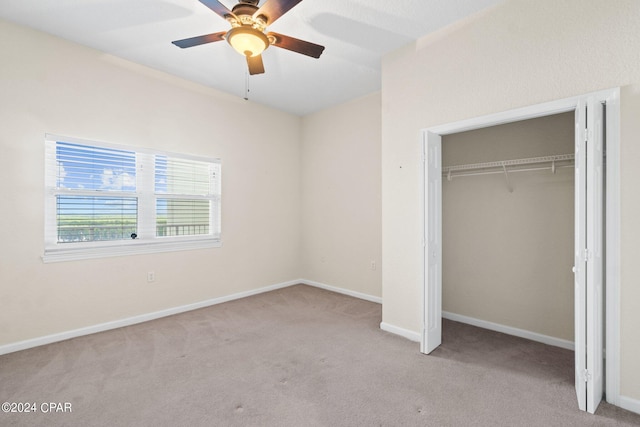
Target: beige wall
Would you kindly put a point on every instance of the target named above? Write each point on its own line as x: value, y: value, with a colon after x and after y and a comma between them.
x: 517, y: 54
x: 341, y: 206
x: 48, y: 85
x: 507, y: 256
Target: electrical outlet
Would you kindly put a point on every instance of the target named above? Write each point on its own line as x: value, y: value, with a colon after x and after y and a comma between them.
x: 373, y: 265
x: 151, y: 276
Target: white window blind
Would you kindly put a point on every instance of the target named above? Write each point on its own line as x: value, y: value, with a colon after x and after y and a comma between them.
x: 90, y: 219
x: 186, y: 196
x: 81, y: 173
x: 103, y: 200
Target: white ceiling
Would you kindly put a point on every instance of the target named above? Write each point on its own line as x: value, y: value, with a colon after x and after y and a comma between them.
x: 356, y: 33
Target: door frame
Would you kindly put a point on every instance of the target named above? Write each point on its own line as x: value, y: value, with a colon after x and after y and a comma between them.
x: 611, y: 205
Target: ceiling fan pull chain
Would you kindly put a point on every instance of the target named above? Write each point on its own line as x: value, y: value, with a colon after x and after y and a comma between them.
x: 246, y: 86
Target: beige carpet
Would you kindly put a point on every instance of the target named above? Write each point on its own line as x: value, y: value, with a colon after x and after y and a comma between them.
x: 299, y: 356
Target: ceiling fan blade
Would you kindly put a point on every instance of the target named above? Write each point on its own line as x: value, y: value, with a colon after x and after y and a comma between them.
x: 217, y: 7
x: 195, y: 41
x: 274, y: 9
x: 296, y: 45
x: 255, y: 64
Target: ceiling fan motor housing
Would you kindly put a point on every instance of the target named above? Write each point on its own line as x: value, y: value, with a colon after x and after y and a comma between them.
x: 243, y: 15
x: 244, y: 9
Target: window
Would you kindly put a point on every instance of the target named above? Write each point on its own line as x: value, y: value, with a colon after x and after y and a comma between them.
x: 104, y: 200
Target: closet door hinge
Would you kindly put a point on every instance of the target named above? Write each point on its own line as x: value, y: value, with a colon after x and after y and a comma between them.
x: 586, y: 375
x: 586, y: 255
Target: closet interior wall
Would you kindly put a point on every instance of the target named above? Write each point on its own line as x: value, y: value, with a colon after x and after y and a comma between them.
x: 507, y: 255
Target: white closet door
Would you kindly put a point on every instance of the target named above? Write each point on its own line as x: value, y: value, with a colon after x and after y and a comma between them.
x: 580, y: 267
x: 432, y: 323
x: 595, y: 261
x: 588, y: 255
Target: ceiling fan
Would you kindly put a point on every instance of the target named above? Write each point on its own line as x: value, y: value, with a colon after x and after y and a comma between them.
x: 247, y: 34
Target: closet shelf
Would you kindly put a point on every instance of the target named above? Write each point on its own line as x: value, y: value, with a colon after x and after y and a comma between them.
x: 515, y: 165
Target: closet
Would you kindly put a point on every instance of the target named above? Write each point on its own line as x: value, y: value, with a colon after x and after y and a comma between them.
x: 508, y: 226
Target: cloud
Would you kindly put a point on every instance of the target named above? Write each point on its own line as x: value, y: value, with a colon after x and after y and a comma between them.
x: 114, y: 180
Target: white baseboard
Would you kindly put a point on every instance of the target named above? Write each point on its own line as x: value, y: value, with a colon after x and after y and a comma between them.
x: 343, y: 291
x: 405, y: 333
x: 533, y: 336
x: 48, y: 339
x: 629, y: 404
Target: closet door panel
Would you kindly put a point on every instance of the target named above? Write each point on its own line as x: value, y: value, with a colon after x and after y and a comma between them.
x: 432, y: 323
x: 595, y: 255
x: 579, y: 268
x: 589, y: 254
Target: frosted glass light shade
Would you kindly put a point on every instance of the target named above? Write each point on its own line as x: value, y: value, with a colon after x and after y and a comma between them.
x: 247, y: 41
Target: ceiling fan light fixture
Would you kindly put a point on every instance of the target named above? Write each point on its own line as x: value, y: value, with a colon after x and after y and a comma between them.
x: 248, y: 34
x: 247, y: 40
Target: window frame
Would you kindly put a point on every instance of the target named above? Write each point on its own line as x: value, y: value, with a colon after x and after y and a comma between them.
x: 147, y: 242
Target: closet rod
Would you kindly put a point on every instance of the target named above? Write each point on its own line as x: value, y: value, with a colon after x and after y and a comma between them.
x: 500, y: 166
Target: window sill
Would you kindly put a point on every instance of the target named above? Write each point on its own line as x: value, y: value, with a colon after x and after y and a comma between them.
x: 75, y: 254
